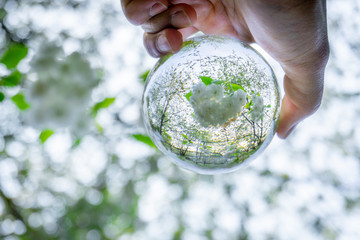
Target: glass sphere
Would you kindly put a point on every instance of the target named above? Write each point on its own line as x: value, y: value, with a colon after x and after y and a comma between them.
x: 213, y: 106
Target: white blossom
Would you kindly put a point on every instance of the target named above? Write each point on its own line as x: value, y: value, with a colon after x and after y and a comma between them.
x: 216, y: 91
x: 257, y: 111
x: 240, y: 97
x: 212, y: 107
x: 60, y: 95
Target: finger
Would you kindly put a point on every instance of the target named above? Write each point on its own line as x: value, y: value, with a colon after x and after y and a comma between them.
x: 164, y: 42
x: 297, y: 105
x: 290, y: 116
x: 177, y: 16
x: 140, y: 11
x: 303, y: 84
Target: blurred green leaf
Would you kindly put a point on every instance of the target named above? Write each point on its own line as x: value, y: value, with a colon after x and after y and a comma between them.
x: 144, y: 139
x: 179, y: 233
x: 236, y: 87
x: 2, y: 14
x: 2, y: 96
x: 12, y: 80
x: 217, y: 82
x: 167, y: 136
x: 285, y: 177
x: 14, y: 55
x: 99, y: 128
x: 76, y: 143
x: 20, y: 101
x: 45, y: 134
x: 101, y: 105
x: 206, y: 80
x: 188, y: 95
x: 230, y: 87
x: 209, y: 234
x: 188, y: 42
x: 268, y: 106
x: 144, y: 75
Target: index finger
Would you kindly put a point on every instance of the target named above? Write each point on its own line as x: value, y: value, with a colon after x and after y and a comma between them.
x: 140, y: 11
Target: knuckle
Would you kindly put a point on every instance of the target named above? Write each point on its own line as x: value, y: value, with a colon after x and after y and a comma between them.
x: 140, y: 11
x: 133, y: 15
x: 136, y: 21
x: 148, y: 27
x: 324, y: 50
x: 133, y: 18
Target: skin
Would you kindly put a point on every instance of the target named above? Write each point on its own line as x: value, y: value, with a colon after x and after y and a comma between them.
x: 293, y: 32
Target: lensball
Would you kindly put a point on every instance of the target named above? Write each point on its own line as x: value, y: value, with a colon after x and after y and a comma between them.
x: 213, y: 106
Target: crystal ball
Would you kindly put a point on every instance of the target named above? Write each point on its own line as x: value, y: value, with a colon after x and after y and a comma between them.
x: 213, y: 106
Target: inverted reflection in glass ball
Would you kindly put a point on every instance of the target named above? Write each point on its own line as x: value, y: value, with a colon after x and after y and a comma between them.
x: 212, y: 106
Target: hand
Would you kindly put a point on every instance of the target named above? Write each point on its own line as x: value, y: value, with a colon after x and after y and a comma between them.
x: 293, y: 32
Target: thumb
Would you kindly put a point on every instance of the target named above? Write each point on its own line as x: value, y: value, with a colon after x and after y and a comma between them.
x: 290, y: 116
x: 302, y: 99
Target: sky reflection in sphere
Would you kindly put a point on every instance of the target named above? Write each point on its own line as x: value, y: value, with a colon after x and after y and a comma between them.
x: 212, y: 106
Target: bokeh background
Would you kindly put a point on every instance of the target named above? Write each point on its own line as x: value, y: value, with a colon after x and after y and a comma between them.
x: 76, y: 163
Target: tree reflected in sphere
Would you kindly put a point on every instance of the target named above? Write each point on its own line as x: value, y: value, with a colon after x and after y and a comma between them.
x: 212, y: 106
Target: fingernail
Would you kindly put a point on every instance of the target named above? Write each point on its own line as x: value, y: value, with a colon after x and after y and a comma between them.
x: 180, y: 18
x: 163, y: 44
x: 157, y: 8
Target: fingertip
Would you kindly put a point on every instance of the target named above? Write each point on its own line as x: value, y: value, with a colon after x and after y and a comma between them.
x: 140, y: 11
x: 175, y: 39
x: 157, y: 8
x: 176, y: 17
x: 286, y: 133
x: 163, y: 43
x: 290, y: 116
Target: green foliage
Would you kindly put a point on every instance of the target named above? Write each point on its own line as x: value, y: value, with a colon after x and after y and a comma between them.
x: 230, y: 88
x: 248, y: 105
x: 187, y: 140
x: 45, y: 134
x: 20, y: 101
x: 236, y: 87
x: 217, y: 82
x: 206, y: 80
x: 179, y: 233
x: 76, y: 143
x: 164, y: 59
x: 167, y: 136
x: 188, y: 42
x: 188, y: 95
x: 12, y: 80
x: 99, y: 128
x: 2, y: 14
x: 2, y: 96
x: 101, y: 105
x: 144, y: 139
x: 189, y: 45
x: 14, y: 55
x: 144, y: 75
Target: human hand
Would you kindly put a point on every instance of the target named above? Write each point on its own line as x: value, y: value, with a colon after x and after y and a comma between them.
x: 293, y: 32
